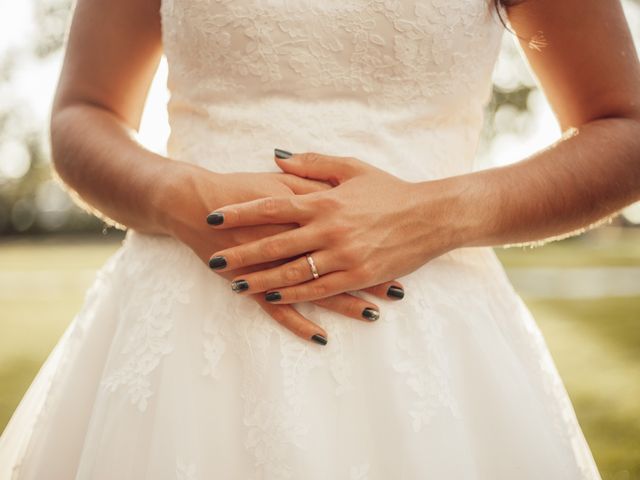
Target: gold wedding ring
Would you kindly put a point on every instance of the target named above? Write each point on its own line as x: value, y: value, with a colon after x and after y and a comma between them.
x: 312, y: 264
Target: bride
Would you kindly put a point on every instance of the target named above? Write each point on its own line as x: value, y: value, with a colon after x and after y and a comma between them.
x: 320, y: 171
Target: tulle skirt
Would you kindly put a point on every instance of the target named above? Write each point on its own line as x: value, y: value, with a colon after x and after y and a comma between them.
x: 165, y: 373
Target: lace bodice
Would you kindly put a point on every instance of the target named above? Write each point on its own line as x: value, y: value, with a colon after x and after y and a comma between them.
x: 385, y: 53
x: 356, y: 70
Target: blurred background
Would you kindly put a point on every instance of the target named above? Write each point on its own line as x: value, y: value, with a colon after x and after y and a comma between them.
x: 584, y: 291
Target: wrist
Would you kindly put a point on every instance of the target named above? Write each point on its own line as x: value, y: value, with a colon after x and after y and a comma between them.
x: 173, y: 193
x: 477, y: 209
x: 465, y: 202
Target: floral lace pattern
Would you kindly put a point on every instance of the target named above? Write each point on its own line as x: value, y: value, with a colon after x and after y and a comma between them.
x: 387, y: 52
x: 424, y: 364
x: 274, y: 427
x: 147, y: 341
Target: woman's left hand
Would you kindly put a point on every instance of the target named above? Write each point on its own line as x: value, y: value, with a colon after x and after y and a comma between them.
x: 370, y: 228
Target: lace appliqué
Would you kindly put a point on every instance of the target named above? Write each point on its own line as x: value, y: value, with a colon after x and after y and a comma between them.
x: 274, y: 426
x: 423, y: 361
x: 213, y: 346
x: 151, y: 304
x: 400, y: 52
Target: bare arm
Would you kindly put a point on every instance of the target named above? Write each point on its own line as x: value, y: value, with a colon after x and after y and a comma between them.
x: 590, y: 74
x: 112, y: 53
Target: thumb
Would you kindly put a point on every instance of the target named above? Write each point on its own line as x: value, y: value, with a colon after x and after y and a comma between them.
x: 314, y: 165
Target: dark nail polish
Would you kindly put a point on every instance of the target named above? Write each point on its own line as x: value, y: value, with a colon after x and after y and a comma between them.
x: 215, y: 218
x: 272, y: 296
x: 217, y: 262
x: 319, y: 339
x: 281, y: 153
x: 371, y: 314
x: 239, y: 285
x: 395, y: 292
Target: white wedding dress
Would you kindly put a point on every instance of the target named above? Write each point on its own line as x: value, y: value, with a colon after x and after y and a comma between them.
x: 166, y: 373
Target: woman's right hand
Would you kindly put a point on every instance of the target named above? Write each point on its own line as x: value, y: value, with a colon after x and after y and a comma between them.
x: 192, y: 192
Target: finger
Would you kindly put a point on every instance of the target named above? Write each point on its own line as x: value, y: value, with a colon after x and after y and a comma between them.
x: 331, y: 168
x: 293, y: 272
x: 350, y: 306
x: 391, y: 290
x: 291, y: 319
x: 275, y: 247
x: 327, y: 285
x: 300, y: 185
x: 279, y: 209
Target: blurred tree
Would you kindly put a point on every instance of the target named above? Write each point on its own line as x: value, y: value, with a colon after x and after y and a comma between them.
x: 30, y: 200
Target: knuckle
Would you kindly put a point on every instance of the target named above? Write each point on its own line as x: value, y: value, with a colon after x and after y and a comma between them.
x: 269, y: 206
x: 336, y: 233
x: 363, y: 274
x: 311, y: 157
x: 326, y: 302
x: 273, y: 248
x: 348, y: 256
x: 319, y: 290
x: 257, y: 283
x: 236, y: 258
x: 326, y: 203
x: 354, y: 308
x: 276, y: 312
x: 295, y: 294
x: 292, y: 273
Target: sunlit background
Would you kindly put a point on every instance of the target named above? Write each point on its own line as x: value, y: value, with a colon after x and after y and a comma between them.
x: 583, y: 291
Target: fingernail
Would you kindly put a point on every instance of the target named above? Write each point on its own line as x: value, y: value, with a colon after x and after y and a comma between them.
x: 319, y: 339
x: 272, y: 296
x: 282, y: 153
x: 239, y: 285
x: 217, y: 262
x: 215, y: 218
x: 370, y: 314
x: 395, y: 292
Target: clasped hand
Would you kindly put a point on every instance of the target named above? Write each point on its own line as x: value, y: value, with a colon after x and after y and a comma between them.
x: 370, y: 228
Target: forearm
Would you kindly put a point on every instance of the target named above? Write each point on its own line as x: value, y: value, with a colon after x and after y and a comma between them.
x: 576, y: 183
x: 99, y: 159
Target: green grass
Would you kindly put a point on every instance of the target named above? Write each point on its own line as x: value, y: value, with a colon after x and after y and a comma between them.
x: 42, y: 285
x: 595, y: 343
x: 605, y: 247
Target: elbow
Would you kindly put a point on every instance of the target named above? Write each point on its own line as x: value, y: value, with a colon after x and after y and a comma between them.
x: 67, y: 126
x: 58, y: 130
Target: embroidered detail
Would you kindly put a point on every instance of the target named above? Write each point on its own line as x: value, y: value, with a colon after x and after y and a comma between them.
x: 425, y: 363
x: 213, y: 346
x: 152, y: 305
x: 395, y: 53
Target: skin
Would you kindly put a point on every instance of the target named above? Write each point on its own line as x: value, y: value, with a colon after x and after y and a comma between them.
x: 112, y: 53
x: 588, y: 69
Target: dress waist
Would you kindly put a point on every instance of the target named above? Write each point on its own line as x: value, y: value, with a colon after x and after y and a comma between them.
x: 413, y: 143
